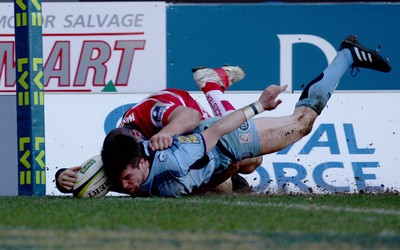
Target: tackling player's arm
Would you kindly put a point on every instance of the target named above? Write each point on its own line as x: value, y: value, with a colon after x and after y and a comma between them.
x: 180, y: 121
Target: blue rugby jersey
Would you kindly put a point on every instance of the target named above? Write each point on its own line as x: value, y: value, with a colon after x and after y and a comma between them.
x: 177, y: 170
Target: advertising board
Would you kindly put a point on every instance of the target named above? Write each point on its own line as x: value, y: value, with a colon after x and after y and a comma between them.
x: 350, y: 150
x: 96, y: 47
x: 279, y: 43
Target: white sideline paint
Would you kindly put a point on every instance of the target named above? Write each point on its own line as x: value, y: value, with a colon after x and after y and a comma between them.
x: 299, y: 206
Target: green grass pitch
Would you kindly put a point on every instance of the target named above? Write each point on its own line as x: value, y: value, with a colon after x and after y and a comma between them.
x: 202, y: 222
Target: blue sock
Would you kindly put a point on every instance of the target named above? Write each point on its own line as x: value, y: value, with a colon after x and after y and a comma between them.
x: 317, y: 93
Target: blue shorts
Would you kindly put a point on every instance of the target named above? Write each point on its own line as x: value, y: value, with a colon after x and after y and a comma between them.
x: 235, y: 146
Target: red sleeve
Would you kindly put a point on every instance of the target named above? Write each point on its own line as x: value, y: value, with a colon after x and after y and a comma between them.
x: 152, y: 114
x: 149, y: 116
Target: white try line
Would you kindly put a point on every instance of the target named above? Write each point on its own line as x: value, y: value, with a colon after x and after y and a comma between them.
x: 299, y: 206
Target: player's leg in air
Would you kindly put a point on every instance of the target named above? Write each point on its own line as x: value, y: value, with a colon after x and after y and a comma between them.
x: 213, y: 83
x: 280, y: 132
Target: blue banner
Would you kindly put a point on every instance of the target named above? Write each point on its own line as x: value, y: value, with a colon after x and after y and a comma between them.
x: 279, y: 43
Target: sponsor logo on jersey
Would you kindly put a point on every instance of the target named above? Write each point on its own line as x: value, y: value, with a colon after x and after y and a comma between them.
x: 161, y: 157
x: 245, y: 138
x: 157, y: 113
x: 244, y: 127
x: 188, y: 139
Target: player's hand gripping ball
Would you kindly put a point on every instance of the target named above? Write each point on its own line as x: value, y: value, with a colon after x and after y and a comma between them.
x: 91, y: 180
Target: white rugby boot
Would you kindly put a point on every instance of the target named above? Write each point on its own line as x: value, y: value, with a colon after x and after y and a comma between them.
x: 224, y: 76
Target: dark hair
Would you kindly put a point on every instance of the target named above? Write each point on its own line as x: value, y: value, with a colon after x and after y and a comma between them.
x: 120, y: 148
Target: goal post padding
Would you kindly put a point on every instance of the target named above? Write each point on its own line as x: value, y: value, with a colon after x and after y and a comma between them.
x: 30, y: 97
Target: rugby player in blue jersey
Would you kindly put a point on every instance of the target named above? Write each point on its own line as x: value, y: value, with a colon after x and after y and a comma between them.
x: 193, y: 159
x: 172, y: 111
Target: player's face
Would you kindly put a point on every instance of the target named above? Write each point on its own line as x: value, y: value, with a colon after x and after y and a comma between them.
x: 132, y: 177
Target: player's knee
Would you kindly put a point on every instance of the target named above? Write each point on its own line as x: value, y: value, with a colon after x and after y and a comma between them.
x: 306, y: 127
x: 305, y: 119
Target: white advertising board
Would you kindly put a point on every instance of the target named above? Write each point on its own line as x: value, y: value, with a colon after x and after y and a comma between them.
x: 353, y: 147
x: 94, y: 47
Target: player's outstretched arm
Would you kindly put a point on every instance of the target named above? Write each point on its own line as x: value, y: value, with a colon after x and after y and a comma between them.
x: 180, y: 121
x: 267, y: 101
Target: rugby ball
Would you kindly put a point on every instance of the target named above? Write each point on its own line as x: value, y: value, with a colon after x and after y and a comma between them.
x: 91, y: 180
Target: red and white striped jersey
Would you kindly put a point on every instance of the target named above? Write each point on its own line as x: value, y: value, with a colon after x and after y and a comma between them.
x: 151, y: 114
